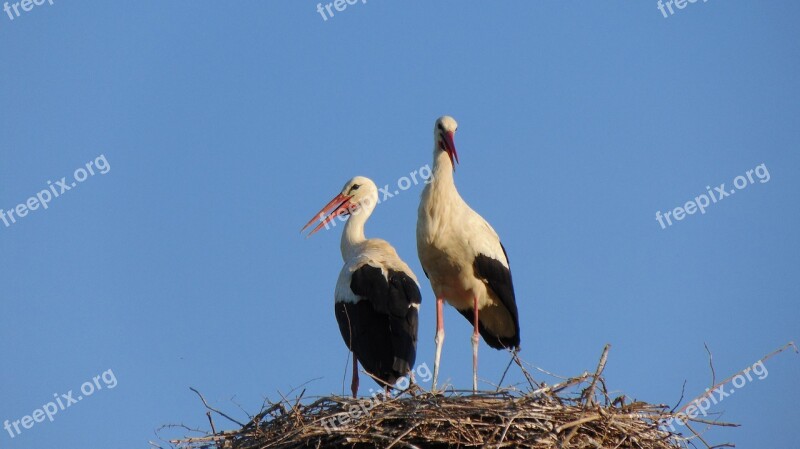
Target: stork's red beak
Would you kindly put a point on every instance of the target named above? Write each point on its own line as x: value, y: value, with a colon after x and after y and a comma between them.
x: 339, y: 205
x: 450, y: 147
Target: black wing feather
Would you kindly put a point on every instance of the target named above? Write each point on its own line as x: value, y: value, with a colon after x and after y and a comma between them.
x: 381, y: 329
x: 499, y: 279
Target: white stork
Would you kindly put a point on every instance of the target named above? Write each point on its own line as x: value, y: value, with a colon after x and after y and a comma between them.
x: 377, y: 296
x: 463, y: 258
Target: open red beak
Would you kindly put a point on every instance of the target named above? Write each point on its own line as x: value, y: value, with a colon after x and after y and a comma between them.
x: 450, y: 148
x: 338, y: 206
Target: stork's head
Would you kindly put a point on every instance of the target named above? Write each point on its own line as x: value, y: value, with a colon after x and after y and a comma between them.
x: 358, y: 196
x: 443, y: 136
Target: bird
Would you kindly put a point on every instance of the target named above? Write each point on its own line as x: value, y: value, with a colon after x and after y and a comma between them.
x: 377, y: 296
x: 463, y: 258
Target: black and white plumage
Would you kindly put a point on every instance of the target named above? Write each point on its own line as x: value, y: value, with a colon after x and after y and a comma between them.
x: 377, y: 296
x: 381, y: 326
x: 463, y: 258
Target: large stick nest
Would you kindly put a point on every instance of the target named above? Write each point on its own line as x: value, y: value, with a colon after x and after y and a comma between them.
x: 576, y: 413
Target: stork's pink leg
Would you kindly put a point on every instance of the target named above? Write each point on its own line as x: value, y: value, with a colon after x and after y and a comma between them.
x: 354, y: 385
x: 475, y: 350
x: 439, y: 339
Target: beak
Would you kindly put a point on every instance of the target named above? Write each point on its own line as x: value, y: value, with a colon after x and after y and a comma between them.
x: 450, y: 148
x: 338, y: 206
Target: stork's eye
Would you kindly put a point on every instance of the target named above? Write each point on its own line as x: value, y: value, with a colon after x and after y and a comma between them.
x: 354, y: 188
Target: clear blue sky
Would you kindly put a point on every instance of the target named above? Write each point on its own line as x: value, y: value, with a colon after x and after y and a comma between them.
x: 227, y: 125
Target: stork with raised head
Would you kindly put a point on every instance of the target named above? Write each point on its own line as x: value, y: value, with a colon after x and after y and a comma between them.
x: 463, y: 258
x: 377, y: 296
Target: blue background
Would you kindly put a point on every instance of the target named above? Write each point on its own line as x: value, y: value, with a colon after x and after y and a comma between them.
x: 228, y: 125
